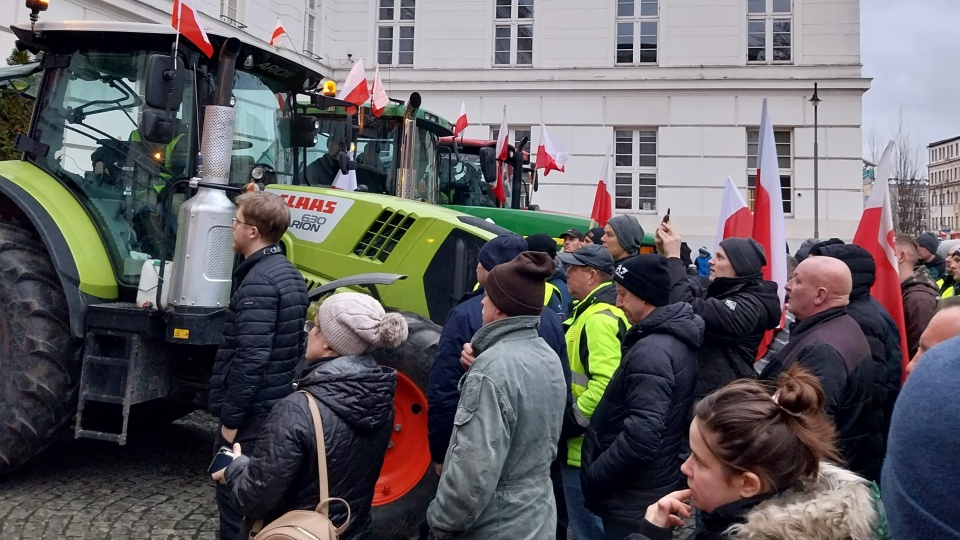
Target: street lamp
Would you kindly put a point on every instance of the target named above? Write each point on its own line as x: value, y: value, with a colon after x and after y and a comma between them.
x: 815, y: 100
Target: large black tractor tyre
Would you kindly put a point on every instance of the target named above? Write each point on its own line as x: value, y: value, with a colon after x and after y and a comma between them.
x: 39, y: 357
x: 402, y: 518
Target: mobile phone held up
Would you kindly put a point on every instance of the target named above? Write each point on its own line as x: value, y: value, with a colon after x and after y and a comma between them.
x: 666, y: 218
x: 222, y: 460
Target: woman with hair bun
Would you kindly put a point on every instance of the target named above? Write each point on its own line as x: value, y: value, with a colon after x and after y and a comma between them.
x: 760, y: 468
x: 355, y: 398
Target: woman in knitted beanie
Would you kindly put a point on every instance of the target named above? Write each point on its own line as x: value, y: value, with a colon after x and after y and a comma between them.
x: 355, y: 398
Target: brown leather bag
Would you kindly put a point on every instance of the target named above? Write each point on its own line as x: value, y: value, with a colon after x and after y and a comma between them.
x: 307, y: 524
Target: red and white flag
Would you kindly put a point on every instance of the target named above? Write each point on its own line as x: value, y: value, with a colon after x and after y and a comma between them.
x: 186, y: 20
x: 768, y: 224
x: 355, y: 89
x: 278, y: 31
x: 502, y: 152
x: 550, y: 155
x: 736, y: 221
x: 603, y: 200
x: 461, y: 120
x: 346, y: 182
x: 380, y: 98
x: 875, y: 234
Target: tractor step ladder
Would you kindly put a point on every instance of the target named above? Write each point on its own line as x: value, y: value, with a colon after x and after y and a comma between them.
x: 124, y: 363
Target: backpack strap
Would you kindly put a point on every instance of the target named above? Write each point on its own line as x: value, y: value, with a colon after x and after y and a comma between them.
x: 324, y: 506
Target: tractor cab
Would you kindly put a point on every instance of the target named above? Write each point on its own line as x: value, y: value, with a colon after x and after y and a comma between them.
x: 469, y: 168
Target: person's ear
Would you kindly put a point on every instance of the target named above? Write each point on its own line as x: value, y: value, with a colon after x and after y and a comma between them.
x: 820, y: 297
x: 750, y: 485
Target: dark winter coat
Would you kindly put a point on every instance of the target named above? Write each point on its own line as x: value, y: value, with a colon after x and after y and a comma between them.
x: 920, y: 296
x: 832, y: 346
x: 937, y: 267
x: 564, y: 304
x: 631, y: 451
x: 262, y: 338
x: 355, y: 398
x: 443, y: 393
x: 736, y: 312
x: 879, y: 329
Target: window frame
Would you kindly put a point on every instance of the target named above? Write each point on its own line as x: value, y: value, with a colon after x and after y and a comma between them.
x: 770, y: 17
x: 236, y: 6
x: 639, y: 172
x: 397, y: 26
x: 311, y: 44
x: 785, y: 172
x: 513, y: 24
x: 637, y: 21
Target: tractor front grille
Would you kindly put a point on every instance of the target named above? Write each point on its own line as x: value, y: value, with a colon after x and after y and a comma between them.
x: 383, y: 235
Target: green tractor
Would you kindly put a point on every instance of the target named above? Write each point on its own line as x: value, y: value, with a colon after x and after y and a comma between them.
x: 115, y: 235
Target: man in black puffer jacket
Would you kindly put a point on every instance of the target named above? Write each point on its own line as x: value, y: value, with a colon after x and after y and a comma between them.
x: 262, y: 335
x: 880, y: 330
x: 828, y: 342
x: 631, y: 451
x: 737, y: 307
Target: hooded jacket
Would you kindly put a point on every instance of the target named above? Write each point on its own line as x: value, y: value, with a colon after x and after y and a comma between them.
x: 881, y: 333
x: 355, y: 398
x: 736, y: 312
x: 937, y: 266
x: 631, y: 451
x: 263, y: 338
x: 835, y: 505
x: 919, y: 294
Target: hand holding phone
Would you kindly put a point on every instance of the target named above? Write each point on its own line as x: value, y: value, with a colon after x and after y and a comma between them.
x: 666, y: 218
x: 222, y: 460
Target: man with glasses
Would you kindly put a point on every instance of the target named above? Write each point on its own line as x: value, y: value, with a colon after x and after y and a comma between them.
x: 262, y: 338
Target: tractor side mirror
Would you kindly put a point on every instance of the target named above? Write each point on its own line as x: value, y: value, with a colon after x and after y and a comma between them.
x: 346, y: 164
x: 488, y: 164
x: 163, y: 93
x: 299, y: 132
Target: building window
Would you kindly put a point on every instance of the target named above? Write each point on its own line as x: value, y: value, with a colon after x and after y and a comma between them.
x: 513, y: 33
x: 516, y: 133
x: 769, y: 31
x: 230, y: 13
x: 395, y: 32
x: 310, y: 41
x: 637, y: 22
x: 635, y: 169
x: 784, y: 141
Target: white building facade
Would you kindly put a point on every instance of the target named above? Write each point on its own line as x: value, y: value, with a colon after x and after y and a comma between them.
x: 943, y: 173
x: 672, y: 87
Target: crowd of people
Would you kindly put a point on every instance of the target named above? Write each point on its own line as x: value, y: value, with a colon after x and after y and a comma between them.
x: 615, y: 393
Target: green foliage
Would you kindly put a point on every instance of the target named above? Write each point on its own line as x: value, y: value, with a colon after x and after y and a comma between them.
x: 15, y: 111
x: 18, y: 57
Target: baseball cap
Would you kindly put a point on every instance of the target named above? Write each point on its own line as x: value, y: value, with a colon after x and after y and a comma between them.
x: 593, y: 255
x: 574, y: 233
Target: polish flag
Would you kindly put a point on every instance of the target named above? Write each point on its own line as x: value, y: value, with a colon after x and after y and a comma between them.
x: 875, y: 234
x: 355, y: 89
x: 461, y: 120
x: 736, y: 221
x: 380, y: 98
x: 187, y: 22
x: 502, y: 151
x: 346, y: 182
x: 278, y: 31
x: 603, y: 200
x: 768, y: 223
x: 550, y: 155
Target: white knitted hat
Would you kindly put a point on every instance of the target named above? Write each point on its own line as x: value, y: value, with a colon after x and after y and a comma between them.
x: 355, y: 323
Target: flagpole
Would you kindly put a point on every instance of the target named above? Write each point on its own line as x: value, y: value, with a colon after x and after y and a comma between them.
x: 176, y: 40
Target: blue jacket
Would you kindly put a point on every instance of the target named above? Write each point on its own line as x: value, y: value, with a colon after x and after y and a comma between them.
x: 443, y: 394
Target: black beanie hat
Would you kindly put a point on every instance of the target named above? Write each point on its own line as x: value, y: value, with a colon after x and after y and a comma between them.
x: 517, y: 287
x: 595, y: 235
x: 647, y: 277
x: 929, y: 241
x: 501, y: 249
x: 543, y: 243
x: 746, y: 255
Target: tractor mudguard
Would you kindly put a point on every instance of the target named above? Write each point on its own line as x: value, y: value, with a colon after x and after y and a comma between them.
x: 71, y: 240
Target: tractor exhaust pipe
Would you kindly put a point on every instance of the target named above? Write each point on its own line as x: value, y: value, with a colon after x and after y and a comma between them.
x: 406, y: 180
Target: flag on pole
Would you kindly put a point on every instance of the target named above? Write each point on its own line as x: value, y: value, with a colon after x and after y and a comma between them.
x: 355, y: 89
x: 768, y: 224
x: 380, y: 98
x: 461, y: 120
x: 346, y: 182
x: 603, y: 199
x: 550, y: 155
x: 875, y: 234
x: 278, y: 31
x: 502, y: 151
x: 186, y: 21
x: 736, y: 221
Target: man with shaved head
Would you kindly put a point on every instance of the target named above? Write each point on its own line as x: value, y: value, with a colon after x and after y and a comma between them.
x: 943, y: 326
x: 917, y: 289
x: 828, y: 342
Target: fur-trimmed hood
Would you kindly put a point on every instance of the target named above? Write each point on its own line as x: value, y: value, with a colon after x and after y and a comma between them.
x: 836, y: 505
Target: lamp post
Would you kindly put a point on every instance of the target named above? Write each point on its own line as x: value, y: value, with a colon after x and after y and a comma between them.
x: 815, y: 100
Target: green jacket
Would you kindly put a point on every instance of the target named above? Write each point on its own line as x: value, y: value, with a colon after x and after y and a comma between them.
x: 496, y: 476
x: 594, y: 334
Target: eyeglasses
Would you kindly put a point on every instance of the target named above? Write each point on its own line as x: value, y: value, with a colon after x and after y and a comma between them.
x: 308, y: 326
x: 235, y: 221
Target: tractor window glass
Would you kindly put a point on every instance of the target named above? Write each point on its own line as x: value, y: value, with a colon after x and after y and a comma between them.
x: 375, y: 150
x: 88, y: 118
x: 256, y: 138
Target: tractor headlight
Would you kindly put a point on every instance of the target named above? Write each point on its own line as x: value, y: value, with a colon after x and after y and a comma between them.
x: 258, y: 173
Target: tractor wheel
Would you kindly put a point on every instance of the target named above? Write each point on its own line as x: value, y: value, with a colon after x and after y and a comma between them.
x: 407, y: 481
x: 39, y: 357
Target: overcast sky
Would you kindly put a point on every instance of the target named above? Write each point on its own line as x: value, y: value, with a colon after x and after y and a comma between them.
x: 911, y: 49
